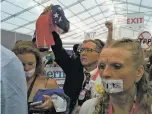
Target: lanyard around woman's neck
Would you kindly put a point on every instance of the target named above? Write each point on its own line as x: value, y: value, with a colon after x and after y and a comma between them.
x: 134, y: 109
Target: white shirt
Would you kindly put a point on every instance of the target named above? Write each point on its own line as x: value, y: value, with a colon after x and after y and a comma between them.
x: 88, y: 107
x: 94, y: 93
x: 13, y: 84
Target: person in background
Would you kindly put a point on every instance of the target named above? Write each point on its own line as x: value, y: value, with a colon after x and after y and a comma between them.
x: 32, y: 62
x: 116, y: 70
x: 13, y: 84
x: 75, y: 51
x: 49, y: 59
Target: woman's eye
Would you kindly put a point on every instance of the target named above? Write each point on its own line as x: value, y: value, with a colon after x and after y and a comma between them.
x: 116, y: 66
x: 102, y: 66
x: 30, y: 63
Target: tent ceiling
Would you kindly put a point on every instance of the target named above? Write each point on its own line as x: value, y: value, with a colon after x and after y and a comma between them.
x: 20, y: 15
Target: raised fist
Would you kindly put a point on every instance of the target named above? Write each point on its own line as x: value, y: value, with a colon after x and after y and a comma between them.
x: 109, y: 25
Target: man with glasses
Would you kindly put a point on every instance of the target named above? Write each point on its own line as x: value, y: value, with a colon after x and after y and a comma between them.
x: 82, y: 72
x: 89, y: 54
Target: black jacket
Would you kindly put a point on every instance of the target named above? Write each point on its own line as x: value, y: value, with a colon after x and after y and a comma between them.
x: 72, y: 68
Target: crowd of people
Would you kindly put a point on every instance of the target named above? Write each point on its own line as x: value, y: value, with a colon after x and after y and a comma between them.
x: 101, y: 78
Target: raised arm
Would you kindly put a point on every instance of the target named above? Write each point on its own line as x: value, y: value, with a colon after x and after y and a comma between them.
x: 61, y: 56
x: 109, y: 25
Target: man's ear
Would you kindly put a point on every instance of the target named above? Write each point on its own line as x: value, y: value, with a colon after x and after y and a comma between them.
x: 140, y: 73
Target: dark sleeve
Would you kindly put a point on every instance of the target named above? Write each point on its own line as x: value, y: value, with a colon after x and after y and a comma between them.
x: 61, y: 56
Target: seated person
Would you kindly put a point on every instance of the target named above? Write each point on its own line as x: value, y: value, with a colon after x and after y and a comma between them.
x: 32, y: 63
x: 131, y: 94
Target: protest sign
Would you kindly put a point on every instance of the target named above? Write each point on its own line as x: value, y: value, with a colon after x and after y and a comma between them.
x: 145, y: 39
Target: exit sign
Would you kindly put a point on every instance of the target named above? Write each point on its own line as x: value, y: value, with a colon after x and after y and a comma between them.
x: 135, y: 21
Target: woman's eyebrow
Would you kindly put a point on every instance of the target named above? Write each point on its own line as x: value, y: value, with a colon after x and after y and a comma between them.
x: 101, y: 62
x: 111, y: 61
x: 31, y: 62
x: 116, y: 62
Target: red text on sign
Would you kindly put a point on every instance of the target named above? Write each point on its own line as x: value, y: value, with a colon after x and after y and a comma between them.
x: 135, y: 20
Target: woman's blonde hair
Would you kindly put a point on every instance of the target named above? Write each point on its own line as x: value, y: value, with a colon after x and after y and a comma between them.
x: 143, y: 91
x: 29, y: 43
x: 24, y: 47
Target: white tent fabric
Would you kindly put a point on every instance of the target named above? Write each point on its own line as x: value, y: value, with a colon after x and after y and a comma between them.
x: 20, y: 15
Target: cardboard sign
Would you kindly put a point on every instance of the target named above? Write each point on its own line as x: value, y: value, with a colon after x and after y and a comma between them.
x: 135, y: 21
x: 44, y: 28
x: 89, y: 35
x: 145, y: 39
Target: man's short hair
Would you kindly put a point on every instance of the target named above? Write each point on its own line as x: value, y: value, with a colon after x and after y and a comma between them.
x: 98, y: 42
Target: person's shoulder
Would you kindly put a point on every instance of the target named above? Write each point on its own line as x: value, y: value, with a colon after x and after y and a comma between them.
x: 7, y: 56
x: 52, y: 84
x: 88, y: 106
x: 49, y: 82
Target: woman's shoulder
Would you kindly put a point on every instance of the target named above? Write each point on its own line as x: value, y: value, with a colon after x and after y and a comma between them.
x: 88, y: 107
x: 51, y: 84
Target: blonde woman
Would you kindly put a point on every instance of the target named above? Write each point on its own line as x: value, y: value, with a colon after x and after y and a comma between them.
x: 121, y: 67
x: 32, y: 62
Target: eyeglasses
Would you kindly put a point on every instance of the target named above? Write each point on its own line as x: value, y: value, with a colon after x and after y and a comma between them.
x: 87, y: 50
